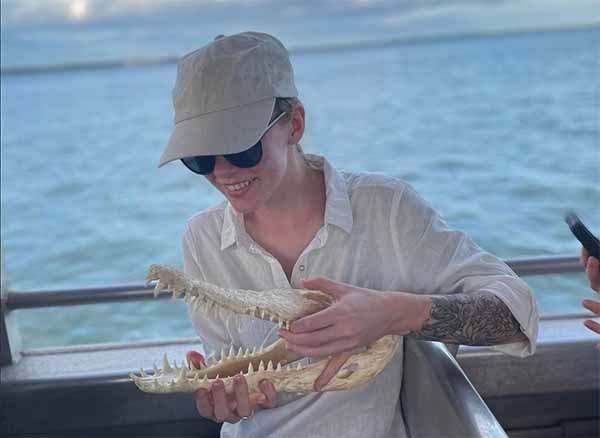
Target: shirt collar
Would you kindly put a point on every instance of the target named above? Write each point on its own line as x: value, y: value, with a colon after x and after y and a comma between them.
x: 338, y: 210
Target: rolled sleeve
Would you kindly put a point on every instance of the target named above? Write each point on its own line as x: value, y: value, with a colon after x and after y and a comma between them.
x: 448, y: 261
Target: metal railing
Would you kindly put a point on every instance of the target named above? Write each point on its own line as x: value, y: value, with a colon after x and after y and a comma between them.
x: 93, y: 295
x: 14, y: 299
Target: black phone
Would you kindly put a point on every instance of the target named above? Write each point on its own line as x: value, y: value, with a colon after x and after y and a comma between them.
x: 585, y: 236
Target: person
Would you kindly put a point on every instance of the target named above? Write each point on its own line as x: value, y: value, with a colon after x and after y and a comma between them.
x: 290, y: 219
x: 592, y: 269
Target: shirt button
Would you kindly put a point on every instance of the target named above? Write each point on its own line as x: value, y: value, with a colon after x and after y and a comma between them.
x: 302, y: 267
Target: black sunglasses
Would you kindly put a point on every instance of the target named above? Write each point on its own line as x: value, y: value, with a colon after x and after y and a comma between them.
x: 205, y: 164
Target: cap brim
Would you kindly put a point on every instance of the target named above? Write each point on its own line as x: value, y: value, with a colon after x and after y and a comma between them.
x: 218, y: 133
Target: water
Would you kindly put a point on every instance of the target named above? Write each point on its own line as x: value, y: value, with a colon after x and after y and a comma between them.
x: 501, y: 135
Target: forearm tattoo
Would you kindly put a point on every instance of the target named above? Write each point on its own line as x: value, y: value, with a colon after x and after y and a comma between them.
x: 469, y: 319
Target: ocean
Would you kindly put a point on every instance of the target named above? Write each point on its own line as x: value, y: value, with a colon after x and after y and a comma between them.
x: 501, y: 135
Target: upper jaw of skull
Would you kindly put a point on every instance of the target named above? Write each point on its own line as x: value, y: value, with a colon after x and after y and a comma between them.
x: 282, y: 307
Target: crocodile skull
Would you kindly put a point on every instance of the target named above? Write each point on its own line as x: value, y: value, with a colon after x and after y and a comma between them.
x: 275, y: 363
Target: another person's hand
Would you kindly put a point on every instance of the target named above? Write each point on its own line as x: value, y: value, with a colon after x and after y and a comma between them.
x: 214, y: 403
x: 357, y: 317
x: 592, y: 269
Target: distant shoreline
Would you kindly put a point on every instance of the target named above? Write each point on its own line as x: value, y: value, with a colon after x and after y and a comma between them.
x: 299, y: 50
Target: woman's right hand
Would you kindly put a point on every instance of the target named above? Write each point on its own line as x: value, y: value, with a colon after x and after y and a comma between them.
x: 214, y: 403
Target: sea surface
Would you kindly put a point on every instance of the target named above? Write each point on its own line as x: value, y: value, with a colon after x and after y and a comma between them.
x: 501, y: 135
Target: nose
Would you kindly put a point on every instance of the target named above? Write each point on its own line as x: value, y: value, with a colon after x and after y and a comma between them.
x: 223, y: 168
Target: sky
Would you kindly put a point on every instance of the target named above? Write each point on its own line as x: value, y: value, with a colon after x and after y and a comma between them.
x: 88, y: 30
x: 488, y: 13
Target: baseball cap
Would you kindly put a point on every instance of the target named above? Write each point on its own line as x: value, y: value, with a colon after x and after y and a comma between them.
x: 225, y: 93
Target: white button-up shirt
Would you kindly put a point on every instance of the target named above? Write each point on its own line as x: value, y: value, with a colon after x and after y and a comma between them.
x: 378, y: 233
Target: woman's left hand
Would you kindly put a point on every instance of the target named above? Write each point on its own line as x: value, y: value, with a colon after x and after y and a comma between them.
x: 357, y: 317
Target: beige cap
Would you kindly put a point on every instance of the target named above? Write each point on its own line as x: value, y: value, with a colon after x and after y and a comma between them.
x: 225, y: 94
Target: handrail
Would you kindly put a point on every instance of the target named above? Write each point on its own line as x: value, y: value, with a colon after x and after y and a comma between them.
x: 92, y: 295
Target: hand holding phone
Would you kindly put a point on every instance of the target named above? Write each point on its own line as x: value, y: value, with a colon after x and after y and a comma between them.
x: 585, y: 236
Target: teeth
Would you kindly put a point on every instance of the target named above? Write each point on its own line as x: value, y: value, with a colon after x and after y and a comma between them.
x: 270, y: 366
x: 234, y: 187
x: 278, y: 366
x: 299, y: 367
x: 247, y: 353
x: 231, y: 352
x: 261, y: 366
x: 157, y: 288
x: 166, y: 367
x: 250, y: 369
x: 142, y: 372
x: 240, y: 352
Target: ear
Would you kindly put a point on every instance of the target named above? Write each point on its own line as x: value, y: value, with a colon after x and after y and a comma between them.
x: 297, y: 125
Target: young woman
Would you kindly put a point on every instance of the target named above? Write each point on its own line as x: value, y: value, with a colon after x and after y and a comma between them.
x: 290, y: 219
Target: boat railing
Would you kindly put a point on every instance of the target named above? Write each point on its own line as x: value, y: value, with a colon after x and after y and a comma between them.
x: 20, y: 299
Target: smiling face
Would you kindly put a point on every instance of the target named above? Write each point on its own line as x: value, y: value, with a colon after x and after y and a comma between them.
x: 248, y: 189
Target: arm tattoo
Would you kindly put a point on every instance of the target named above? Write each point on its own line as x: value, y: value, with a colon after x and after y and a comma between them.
x: 469, y: 319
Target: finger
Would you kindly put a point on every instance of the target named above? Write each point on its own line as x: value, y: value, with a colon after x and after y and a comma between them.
x: 221, y: 407
x: 334, y: 288
x: 315, y: 321
x: 592, y: 305
x: 312, y: 339
x: 593, y: 272
x: 592, y: 325
x: 268, y: 390
x: 241, y: 395
x: 584, y: 256
x: 195, y: 359
x: 331, y: 369
x: 203, y: 404
x: 323, y: 350
x: 256, y: 399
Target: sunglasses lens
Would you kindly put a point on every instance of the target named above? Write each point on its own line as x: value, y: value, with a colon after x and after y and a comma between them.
x: 248, y: 158
x: 202, y: 165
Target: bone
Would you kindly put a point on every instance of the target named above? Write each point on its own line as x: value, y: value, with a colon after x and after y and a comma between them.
x: 166, y: 367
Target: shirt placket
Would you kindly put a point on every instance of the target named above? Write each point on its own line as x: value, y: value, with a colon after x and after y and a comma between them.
x: 301, y: 268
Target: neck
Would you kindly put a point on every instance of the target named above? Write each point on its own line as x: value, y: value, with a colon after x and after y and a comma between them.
x: 299, y: 199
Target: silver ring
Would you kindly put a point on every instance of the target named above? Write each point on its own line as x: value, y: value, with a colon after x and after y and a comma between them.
x: 248, y: 416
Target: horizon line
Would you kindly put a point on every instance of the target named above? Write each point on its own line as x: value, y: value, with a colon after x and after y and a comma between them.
x: 349, y: 45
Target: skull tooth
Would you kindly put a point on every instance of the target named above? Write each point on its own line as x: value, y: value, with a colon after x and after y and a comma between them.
x: 278, y: 366
x: 270, y: 366
x: 157, y: 288
x: 231, y: 352
x: 240, y: 352
x: 247, y: 352
x: 253, y: 351
x: 250, y: 369
x: 262, y: 314
x: 261, y: 366
x: 166, y: 366
x: 142, y: 372
x: 299, y: 367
